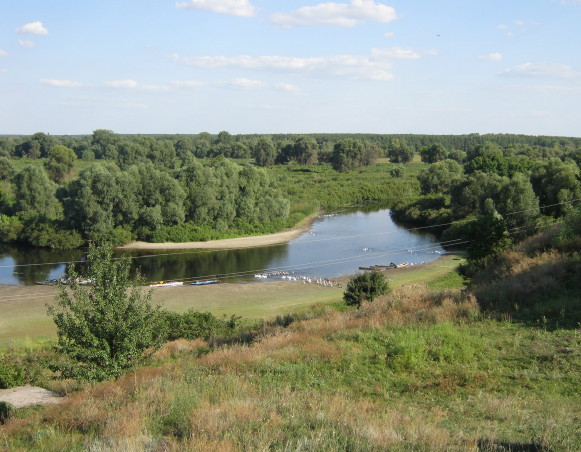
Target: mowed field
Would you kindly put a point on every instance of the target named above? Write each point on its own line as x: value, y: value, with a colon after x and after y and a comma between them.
x: 23, y: 315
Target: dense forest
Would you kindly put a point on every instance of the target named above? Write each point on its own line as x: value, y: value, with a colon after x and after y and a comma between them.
x: 60, y: 191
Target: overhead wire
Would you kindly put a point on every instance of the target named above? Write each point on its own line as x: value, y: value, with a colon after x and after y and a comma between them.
x: 202, y: 251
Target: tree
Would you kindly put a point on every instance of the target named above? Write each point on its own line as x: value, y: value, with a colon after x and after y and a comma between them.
x: 108, y: 327
x: 35, y: 194
x: 264, y: 152
x: 7, y: 169
x: 347, y: 155
x: 399, y: 151
x: 365, y: 286
x: 305, y: 150
x: 487, y: 236
x: 61, y: 161
x: 433, y: 153
x: 439, y: 177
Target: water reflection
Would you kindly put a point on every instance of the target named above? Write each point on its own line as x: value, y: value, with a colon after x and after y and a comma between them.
x: 337, y: 244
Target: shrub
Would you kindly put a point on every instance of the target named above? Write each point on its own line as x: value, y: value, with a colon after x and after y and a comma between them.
x: 11, y: 375
x: 365, y: 286
x: 107, y: 328
x: 192, y: 325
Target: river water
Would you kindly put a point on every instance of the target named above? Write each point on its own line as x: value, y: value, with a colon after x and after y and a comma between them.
x: 336, y: 244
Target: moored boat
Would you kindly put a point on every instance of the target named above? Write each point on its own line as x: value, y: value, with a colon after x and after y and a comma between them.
x: 167, y: 284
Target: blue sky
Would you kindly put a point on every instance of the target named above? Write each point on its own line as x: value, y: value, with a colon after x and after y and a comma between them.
x: 269, y: 66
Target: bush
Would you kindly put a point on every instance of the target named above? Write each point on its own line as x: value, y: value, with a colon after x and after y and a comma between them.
x: 6, y: 411
x: 365, y: 286
x: 192, y: 325
x: 107, y: 328
x: 11, y: 375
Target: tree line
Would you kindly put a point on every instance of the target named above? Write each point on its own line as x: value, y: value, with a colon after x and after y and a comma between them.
x: 107, y: 203
x: 494, y: 195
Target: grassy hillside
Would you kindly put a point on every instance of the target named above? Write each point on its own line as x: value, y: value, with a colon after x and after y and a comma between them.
x: 421, y: 369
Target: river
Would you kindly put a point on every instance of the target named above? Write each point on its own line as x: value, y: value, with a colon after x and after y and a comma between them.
x: 336, y: 244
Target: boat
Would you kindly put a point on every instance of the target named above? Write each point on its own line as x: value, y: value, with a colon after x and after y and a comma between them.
x: 205, y: 282
x: 167, y: 284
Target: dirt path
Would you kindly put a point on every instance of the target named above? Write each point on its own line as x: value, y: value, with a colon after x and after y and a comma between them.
x: 239, y: 242
x: 24, y: 396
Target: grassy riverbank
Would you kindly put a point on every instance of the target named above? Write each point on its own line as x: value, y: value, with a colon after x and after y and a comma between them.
x: 24, y: 316
x: 419, y: 369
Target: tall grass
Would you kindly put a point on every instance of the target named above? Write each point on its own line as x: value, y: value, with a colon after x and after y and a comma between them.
x: 416, y: 370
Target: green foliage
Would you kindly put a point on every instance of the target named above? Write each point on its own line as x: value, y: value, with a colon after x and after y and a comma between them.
x: 52, y: 236
x: 7, y: 169
x: 11, y: 228
x: 35, y: 194
x: 365, y: 286
x: 569, y: 236
x: 11, y: 374
x: 399, y: 151
x: 264, y: 152
x: 397, y: 171
x: 439, y: 177
x: 556, y: 182
x: 413, y: 349
x: 104, y: 329
x: 487, y: 236
x: 6, y: 412
x: 60, y: 162
x: 349, y: 154
x: 427, y: 210
x: 433, y: 153
x: 192, y: 325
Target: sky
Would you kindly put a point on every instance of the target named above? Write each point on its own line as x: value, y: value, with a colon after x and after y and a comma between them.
x: 294, y: 66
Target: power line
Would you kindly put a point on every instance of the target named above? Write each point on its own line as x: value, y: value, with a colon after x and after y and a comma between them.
x: 206, y: 251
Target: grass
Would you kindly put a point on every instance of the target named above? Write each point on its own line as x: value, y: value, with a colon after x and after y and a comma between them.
x: 24, y: 307
x: 418, y: 370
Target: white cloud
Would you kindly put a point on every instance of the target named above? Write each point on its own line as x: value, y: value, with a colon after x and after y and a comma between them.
x: 247, y: 83
x: 336, y: 14
x: 132, y: 84
x: 374, y: 66
x: 396, y: 53
x: 502, y: 27
x: 3, y: 70
x: 60, y: 83
x: 389, y: 34
x: 3, y: 53
x: 26, y: 44
x: 240, y: 82
x: 33, y: 28
x: 491, y: 57
x: 233, y: 7
x: 542, y: 69
x: 286, y: 87
x: 188, y: 83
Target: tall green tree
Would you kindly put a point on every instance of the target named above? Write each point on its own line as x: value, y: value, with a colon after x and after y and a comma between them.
x: 439, y: 177
x: 399, y: 151
x: 35, y: 194
x: 60, y: 162
x: 108, y: 327
x: 433, y: 153
x: 264, y: 152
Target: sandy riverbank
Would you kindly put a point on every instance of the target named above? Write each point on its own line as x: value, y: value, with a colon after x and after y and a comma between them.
x: 239, y: 242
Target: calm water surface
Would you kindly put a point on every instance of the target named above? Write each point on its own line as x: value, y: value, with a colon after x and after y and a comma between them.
x: 336, y: 244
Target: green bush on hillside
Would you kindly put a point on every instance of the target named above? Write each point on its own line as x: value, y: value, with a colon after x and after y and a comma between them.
x: 11, y: 375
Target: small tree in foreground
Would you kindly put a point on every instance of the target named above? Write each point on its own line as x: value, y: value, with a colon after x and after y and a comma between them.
x: 108, y: 327
x: 365, y: 286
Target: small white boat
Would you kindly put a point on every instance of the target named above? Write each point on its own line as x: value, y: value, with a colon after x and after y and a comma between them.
x: 167, y: 284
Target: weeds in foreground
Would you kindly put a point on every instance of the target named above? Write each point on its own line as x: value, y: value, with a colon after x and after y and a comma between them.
x: 412, y: 371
